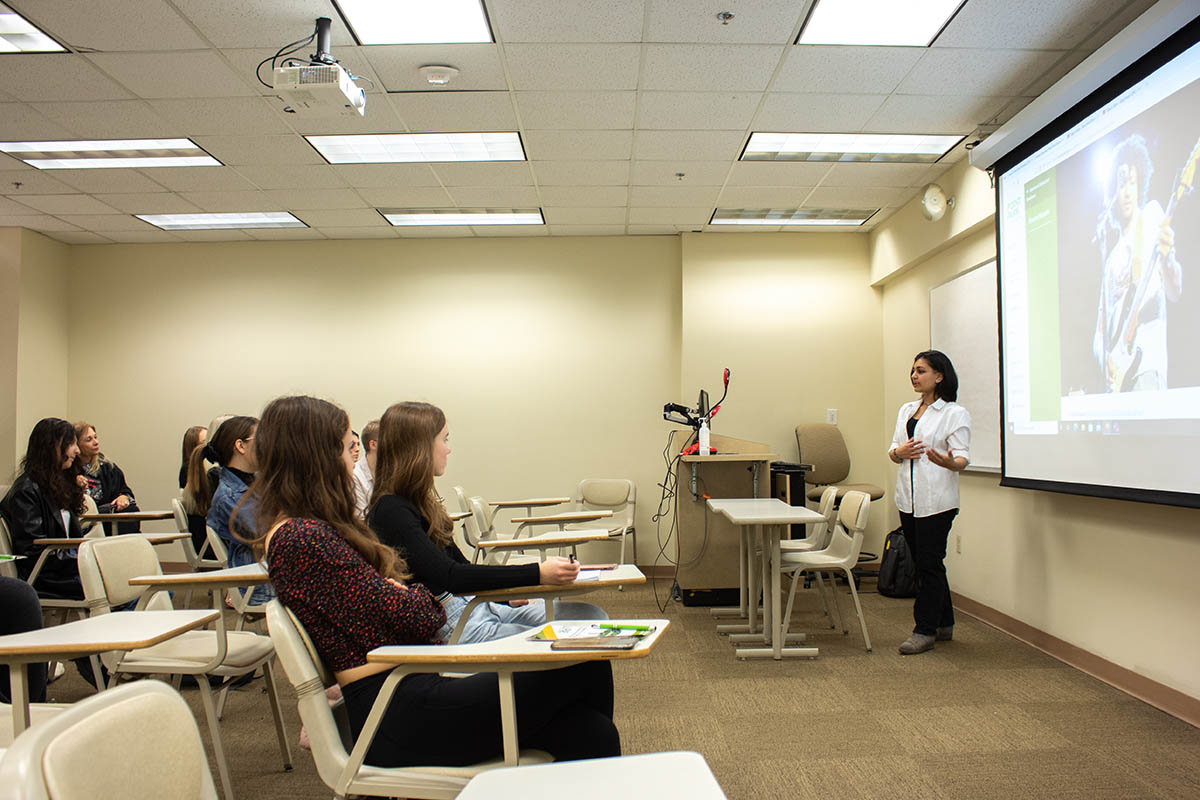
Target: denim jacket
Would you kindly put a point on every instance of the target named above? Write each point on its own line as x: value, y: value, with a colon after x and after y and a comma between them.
x: 229, y: 491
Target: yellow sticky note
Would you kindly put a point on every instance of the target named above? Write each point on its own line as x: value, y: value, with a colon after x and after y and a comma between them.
x: 548, y: 632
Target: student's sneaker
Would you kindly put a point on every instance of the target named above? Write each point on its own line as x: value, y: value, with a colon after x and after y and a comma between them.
x: 917, y: 643
x: 945, y: 634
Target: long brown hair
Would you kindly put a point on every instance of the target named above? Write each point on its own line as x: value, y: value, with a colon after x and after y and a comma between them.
x: 191, y: 438
x: 301, y: 474
x: 404, y: 463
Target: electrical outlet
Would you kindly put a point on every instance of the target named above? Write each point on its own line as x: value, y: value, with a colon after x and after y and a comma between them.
x: 831, y: 416
x: 958, y: 544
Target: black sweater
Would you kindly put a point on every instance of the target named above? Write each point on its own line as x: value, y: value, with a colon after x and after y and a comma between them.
x: 400, y: 526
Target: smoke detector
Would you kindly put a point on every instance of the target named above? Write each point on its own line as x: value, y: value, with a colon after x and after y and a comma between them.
x: 438, y: 74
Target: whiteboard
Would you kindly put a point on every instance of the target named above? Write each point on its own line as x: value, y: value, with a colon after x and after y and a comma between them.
x: 963, y: 324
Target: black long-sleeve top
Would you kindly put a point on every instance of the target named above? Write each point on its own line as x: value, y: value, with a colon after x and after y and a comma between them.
x: 399, y: 525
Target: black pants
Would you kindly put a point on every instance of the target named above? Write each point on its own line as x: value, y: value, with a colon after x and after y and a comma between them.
x: 926, y: 538
x: 440, y: 721
x: 21, y: 611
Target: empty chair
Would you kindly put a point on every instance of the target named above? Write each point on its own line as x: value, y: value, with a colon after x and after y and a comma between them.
x: 618, y: 495
x: 823, y: 447
x: 555, y: 540
x: 817, y: 537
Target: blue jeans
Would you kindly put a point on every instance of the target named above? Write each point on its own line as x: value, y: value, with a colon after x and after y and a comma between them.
x: 496, y: 620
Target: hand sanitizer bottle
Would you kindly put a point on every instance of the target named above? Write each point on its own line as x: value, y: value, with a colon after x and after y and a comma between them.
x: 703, y: 437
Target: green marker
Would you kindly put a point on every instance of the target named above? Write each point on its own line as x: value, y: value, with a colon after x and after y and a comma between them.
x: 610, y: 627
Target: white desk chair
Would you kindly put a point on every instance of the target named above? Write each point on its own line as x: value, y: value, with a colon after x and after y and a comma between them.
x: 618, y: 495
x: 105, y: 567
x: 555, y: 540
x: 329, y: 730
x: 136, y: 741
x: 841, y: 554
x: 817, y: 537
x: 206, y: 558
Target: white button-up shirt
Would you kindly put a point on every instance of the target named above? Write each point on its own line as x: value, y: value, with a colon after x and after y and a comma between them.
x: 922, y: 487
x: 364, y: 483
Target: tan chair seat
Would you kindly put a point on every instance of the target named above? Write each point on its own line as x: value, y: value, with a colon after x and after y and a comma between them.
x: 870, y: 489
x: 198, y: 647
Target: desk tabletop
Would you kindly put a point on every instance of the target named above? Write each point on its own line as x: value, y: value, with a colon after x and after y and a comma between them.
x: 123, y: 630
x: 152, y: 538
x: 455, y: 516
x: 650, y: 775
x: 532, y: 502
x: 729, y: 457
x: 554, y: 539
x: 624, y: 574
x: 128, y: 516
x: 519, y: 648
x: 247, y: 575
x: 566, y: 516
x: 762, y: 511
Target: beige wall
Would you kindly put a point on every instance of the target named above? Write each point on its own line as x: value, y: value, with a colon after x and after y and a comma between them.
x: 10, y: 309
x: 1113, y: 578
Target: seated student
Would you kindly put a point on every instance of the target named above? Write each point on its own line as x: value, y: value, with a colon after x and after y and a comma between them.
x: 105, y: 481
x: 193, y: 437
x: 43, y: 504
x: 232, y: 446
x: 364, y: 468
x: 352, y: 595
x: 196, y: 493
x: 407, y: 514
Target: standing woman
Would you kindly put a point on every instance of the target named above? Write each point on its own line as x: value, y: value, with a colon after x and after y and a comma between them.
x: 105, y: 481
x: 43, y: 503
x: 932, y: 445
x: 407, y: 514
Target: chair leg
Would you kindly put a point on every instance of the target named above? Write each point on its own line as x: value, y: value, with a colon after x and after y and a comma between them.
x: 273, y: 694
x: 824, y: 599
x: 858, y: 608
x: 621, y: 559
x: 837, y: 605
x: 786, y: 622
x: 214, y: 730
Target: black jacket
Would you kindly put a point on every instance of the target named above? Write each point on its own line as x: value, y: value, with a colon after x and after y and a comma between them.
x: 31, y: 514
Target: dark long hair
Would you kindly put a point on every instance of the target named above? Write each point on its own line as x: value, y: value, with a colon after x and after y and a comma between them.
x: 938, y: 361
x: 404, y: 463
x: 301, y: 474
x: 191, y: 438
x: 220, y: 447
x: 48, y: 442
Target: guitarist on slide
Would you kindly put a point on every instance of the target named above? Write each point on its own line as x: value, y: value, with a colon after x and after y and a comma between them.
x: 1145, y: 253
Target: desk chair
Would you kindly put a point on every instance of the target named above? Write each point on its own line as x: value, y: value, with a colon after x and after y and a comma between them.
x: 196, y: 560
x: 136, y: 741
x: 823, y: 447
x: 105, y: 567
x: 64, y: 607
x: 618, y: 495
x: 329, y: 731
x: 556, y: 540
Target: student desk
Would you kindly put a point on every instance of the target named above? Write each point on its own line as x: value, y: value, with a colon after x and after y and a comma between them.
x: 651, y: 776
x: 211, y: 581
x: 127, y: 630
x: 49, y: 545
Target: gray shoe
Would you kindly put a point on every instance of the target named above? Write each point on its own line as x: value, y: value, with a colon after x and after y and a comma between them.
x: 945, y: 634
x: 917, y: 643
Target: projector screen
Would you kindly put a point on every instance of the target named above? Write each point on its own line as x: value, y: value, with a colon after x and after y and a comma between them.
x: 1098, y: 237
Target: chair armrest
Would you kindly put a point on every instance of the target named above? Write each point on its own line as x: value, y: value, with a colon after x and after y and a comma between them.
x: 566, y: 516
x: 546, y: 540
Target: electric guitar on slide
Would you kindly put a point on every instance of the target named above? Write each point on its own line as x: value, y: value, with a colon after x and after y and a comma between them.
x: 1124, y: 359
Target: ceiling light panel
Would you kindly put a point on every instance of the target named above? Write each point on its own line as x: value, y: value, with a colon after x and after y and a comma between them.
x: 877, y: 22
x: 110, y: 154
x: 792, y: 216
x: 881, y: 147
x: 404, y: 217
x: 212, y: 222
x: 417, y: 21
x: 390, y: 148
x: 18, y: 35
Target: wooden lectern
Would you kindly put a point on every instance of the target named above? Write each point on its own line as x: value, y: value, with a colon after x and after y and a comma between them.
x: 708, y: 543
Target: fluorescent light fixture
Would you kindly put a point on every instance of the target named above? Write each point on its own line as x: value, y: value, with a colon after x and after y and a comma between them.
x: 110, y: 154
x: 391, y: 148
x: 416, y: 21
x: 18, y: 35
x: 878, y: 147
x: 791, y: 216
x: 214, y: 222
x: 404, y: 217
x: 877, y: 22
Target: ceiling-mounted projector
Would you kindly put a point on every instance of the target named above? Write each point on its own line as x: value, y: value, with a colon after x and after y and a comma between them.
x: 319, y: 90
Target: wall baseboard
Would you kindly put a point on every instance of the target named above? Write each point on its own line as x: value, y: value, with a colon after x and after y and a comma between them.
x: 1162, y: 697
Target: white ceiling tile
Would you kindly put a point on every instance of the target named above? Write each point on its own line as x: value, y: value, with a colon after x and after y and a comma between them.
x: 654, y: 230
x: 1131, y: 10
x: 305, y: 198
x: 295, y: 176
x: 1026, y: 24
x: 911, y: 113
x: 478, y: 66
x: 8, y: 163
x: 854, y: 197
x: 874, y: 174
x: 583, y: 67
x: 776, y: 173
x: 386, y: 232
x: 817, y: 113
x: 407, y: 197
x: 342, y: 218
x: 200, y: 179
x: 763, y: 196
x: 275, y: 234
x: 499, y: 173
x: 696, y: 110
x: 12, y: 207
x: 107, y: 222
x: 736, y: 229
x: 232, y: 202
x: 489, y: 197
x: 221, y: 116
x: 32, y: 181
x: 673, y: 195
x: 141, y: 25
x: 365, y: 176
x: 577, y: 196
x: 576, y: 145
x: 690, y: 217
x: 820, y: 69
x: 576, y: 110
x: 1055, y: 72
x: 142, y: 237
x: 36, y: 222
x: 21, y: 123
x: 709, y: 67
x: 266, y: 24
x: 157, y: 203
x: 702, y: 145
x: 754, y: 22
x: 584, y: 216
x: 667, y: 173
x: 587, y: 230
x: 213, y: 236
x: 275, y: 149
x: 114, y: 119
x: 567, y: 20
x: 510, y: 231
x: 56, y: 76
x: 107, y: 181
x: 433, y: 232
x: 198, y: 73
x: 581, y: 173
x: 454, y: 111
x: 78, y: 237
x: 977, y: 71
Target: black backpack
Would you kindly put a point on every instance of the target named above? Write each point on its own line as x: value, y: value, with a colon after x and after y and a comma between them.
x: 897, y: 571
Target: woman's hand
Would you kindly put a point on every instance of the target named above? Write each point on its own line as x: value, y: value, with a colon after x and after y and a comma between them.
x: 518, y: 603
x: 557, y: 570
x: 952, y: 463
x: 82, y: 481
x: 121, y: 503
x: 913, y: 448
x: 397, y: 584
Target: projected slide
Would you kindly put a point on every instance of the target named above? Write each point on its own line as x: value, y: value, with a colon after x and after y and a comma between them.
x: 1100, y: 274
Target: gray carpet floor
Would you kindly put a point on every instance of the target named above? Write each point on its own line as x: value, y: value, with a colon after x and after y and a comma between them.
x: 983, y: 716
